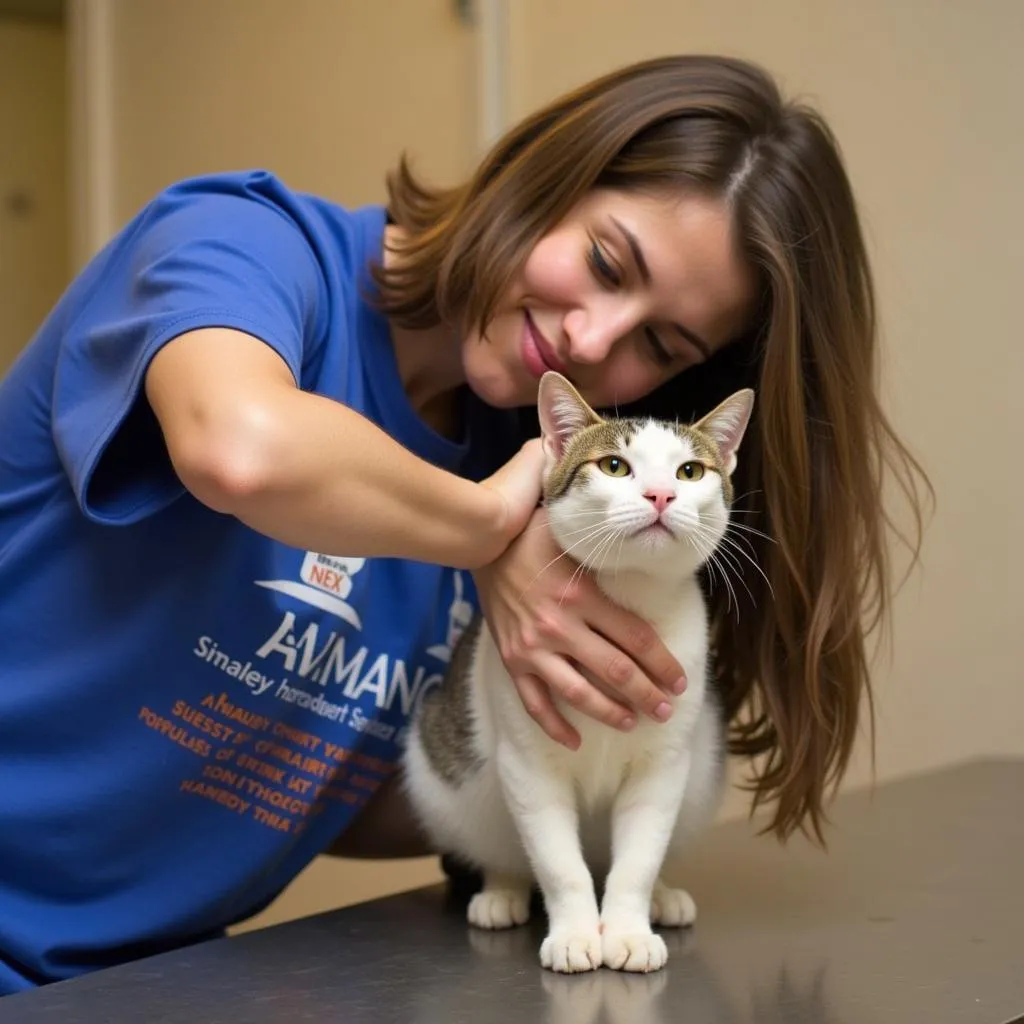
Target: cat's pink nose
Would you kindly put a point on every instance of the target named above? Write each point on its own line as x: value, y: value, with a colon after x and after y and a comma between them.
x: 660, y: 498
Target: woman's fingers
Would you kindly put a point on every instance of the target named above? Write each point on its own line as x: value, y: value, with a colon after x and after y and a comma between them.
x: 541, y: 708
x: 567, y: 683
x: 648, y: 664
x: 618, y: 671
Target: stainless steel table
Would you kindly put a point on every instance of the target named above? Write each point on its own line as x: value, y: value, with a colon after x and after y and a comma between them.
x: 916, y: 913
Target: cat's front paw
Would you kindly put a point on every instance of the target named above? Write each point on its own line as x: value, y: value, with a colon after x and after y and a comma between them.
x: 499, y: 908
x: 672, y: 908
x: 571, y: 950
x: 632, y: 949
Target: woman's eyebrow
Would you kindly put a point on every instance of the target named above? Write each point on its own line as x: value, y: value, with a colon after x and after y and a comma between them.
x: 645, y: 275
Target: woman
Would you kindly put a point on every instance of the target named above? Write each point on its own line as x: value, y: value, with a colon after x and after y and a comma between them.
x: 265, y: 453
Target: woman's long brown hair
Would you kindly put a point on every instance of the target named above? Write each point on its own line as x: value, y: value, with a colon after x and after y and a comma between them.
x: 792, y: 664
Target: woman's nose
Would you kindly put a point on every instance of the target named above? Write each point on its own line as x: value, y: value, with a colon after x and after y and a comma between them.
x: 592, y: 334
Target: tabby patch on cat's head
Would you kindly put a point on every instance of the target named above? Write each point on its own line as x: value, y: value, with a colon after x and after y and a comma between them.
x: 643, y: 486
x: 574, y: 434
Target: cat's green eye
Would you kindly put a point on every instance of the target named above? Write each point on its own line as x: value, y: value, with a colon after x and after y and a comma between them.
x: 690, y: 471
x: 612, y: 465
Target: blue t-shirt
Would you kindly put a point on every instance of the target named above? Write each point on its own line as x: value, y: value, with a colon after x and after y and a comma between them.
x: 189, y: 711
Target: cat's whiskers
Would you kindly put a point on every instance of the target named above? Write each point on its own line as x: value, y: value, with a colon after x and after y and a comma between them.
x: 733, y: 544
x: 730, y: 551
x: 603, y: 544
x: 714, y: 574
x: 584, y: 529
x: 617, y: 521
x: 618, y: 554
x: 607, y: 549
x: 733, y: 599
x: 704, y: 542
x: 582, y: 567
x: 733, y: 525
x: 722, y: 555
x: 578, y: 571
x: 595, y: 531
x: 735, y: 511
x: 746, y: 494
x: 739, y: 542
x: 589, y: 513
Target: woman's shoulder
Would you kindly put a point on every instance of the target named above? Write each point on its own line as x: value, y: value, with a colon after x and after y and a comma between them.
x: 225, y: 192
x: 283, y: 228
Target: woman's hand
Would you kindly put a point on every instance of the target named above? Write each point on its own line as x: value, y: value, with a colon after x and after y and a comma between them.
x: 518, y: 483
x: 551, y: 620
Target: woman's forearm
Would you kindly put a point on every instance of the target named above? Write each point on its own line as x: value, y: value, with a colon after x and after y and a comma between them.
x: 306, y: 470
x: 336, y: 483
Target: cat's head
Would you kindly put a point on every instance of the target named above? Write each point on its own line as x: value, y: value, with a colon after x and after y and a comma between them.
x: 637, y: 494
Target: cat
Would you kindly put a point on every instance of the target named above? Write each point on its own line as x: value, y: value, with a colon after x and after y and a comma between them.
x: 642, y: 504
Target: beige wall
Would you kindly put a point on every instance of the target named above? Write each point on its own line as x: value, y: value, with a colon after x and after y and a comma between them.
x: 326, y: 93
x: 34, y: 265
x: 925, y: 99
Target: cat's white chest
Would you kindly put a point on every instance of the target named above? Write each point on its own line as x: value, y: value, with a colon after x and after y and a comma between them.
x: 606, y: 756
x: 603, y: 757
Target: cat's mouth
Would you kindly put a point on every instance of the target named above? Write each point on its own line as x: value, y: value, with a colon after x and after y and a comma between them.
x: 657, y: 528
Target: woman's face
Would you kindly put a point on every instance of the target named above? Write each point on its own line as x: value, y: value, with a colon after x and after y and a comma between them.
x: 626, y: 292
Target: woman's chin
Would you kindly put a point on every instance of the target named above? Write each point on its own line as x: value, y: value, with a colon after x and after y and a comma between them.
x: 499, y: 390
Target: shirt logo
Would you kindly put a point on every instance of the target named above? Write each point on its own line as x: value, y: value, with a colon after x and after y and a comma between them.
x: 326, y: 583
x: 460, y: 613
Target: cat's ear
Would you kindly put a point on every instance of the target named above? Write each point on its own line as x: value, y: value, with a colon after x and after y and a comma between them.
x: 562, y: 413
x: 727, y: 423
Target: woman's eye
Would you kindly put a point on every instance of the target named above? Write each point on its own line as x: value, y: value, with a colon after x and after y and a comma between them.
x: 602, y: 267
x: 612, y: 465
x: 662, y: 356
x: 690, y: 471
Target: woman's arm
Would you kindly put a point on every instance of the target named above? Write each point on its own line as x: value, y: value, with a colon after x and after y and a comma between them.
x: 314, y: 474
x: 385, y: 828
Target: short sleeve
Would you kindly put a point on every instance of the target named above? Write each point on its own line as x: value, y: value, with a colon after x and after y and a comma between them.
x: 201, y: 255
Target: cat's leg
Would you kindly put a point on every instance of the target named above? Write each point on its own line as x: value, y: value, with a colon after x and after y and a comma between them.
x: 471, y: 821
x: 503, y: 902
x: 543, y: 804
x: 672, y: 908
x: 702, y: 797
x: 643, y: 817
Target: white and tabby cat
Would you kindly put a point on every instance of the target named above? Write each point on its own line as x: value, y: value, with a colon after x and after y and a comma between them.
x: 643, y: 504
